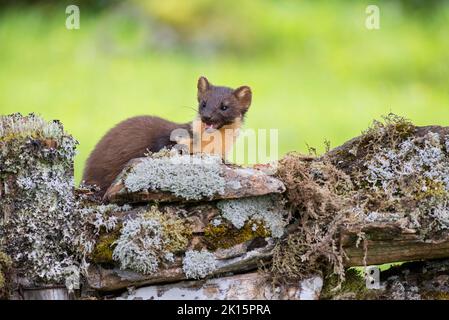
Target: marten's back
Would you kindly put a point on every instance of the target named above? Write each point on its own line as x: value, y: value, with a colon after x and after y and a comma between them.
x: 130, y: 139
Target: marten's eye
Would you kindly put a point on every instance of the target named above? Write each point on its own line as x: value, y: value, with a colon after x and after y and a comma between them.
x: 203, y: 105
x: 223, y: 107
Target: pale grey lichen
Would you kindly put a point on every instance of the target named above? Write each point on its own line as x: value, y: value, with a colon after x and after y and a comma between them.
x: 98, y: 215
x: 169, y: 257
x: 91, y: 220
x: 138, y: 246
x: 416, y: 169
x: 403, y: 291
x: 189, y: 177
x: 198, y: 264
x: 417, y: 156
x: 72, y: 278
x: 37, y: 225
x: 148, y: 240
x: 265, y: 209
x: 375, y: 216
x: 440, y: 212
x: 44, y: 227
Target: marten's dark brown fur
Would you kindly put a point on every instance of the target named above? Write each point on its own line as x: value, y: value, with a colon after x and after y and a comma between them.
x: 129, y: 139
x: 220, y: 108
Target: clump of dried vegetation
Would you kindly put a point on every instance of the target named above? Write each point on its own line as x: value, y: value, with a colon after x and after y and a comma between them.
x: 319, y: 197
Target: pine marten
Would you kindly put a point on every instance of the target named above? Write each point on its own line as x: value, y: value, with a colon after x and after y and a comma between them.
x: 221, y: 111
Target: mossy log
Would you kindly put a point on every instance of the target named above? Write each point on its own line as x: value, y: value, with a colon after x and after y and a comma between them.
x: 349, y: 157
x: 381, y: 197
x: 394, y: 238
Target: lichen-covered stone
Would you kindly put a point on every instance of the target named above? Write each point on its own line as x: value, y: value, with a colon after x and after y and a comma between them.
x: 188, y: 177
x: 268, y: 210
x: 46, y: 229
x: 150, y: 239
x: 37, y: 196
x: 192, y: 178
x: 239, y: 258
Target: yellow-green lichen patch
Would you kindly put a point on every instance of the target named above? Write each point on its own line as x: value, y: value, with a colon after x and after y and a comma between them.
x: 16, y: 126
x: 5, y: 269
x: 177, y: 233
x: 225, y: 235
x: 431, y: 189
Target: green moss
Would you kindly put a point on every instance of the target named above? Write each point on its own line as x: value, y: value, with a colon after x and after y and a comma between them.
x: 226, y: 235
x: 353, y: 287
x: 102, y: 253
x: 391, y: 130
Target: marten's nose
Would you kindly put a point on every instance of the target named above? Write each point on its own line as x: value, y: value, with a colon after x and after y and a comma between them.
x: 207, y: 119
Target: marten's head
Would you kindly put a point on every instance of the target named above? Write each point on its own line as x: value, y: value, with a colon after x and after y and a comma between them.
x: 220, y: 106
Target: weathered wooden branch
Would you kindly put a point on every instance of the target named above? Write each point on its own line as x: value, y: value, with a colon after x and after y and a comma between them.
x: 388, y: 243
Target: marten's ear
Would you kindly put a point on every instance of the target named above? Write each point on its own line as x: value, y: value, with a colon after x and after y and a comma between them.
x: 243, y: 95
x: 203, y: 85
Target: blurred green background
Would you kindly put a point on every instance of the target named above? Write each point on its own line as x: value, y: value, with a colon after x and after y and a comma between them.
x: 316, y: 71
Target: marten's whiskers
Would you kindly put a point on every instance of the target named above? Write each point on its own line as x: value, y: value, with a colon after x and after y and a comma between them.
x: 188, y: 107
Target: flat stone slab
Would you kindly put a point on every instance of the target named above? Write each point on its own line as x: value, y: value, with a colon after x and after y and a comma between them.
x: 236, y: 259
x: 238, y: 182
x: 248, y: 286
